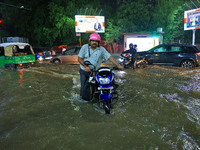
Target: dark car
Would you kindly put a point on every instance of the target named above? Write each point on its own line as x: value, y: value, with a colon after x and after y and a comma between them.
x: 41, y: 54
x: 183, y: 55
x: 69, y: 56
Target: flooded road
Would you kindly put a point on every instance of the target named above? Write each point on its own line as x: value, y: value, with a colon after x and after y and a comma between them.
x: 158, y: 109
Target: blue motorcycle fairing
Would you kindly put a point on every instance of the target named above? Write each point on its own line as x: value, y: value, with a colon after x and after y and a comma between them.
x: 106, y: 96
x: 110, y: 77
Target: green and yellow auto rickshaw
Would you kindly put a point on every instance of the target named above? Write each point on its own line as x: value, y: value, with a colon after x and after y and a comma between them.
x: 16, y: 54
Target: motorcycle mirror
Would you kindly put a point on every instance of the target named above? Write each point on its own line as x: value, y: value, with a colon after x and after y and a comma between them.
x: 87, y: 63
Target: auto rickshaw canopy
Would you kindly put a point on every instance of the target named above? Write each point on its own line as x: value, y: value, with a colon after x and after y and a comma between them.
x: 11, y: 49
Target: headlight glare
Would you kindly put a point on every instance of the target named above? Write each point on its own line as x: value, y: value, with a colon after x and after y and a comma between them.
x: 104, y: 81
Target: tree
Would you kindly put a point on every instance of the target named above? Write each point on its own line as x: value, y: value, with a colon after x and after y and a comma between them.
x: 174, y: 28
x: 169, y: 15
x: 52, y: 22
x: 48, y: 23
x: 112, y: 34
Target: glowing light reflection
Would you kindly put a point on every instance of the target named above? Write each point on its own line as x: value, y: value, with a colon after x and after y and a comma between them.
x: 21, y: 74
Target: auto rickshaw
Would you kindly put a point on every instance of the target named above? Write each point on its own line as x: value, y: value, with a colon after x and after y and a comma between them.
x: 16, y: 55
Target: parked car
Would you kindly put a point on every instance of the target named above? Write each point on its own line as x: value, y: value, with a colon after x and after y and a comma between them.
x: 69, y: 56
x: 183, y: 55
x: 41, y: 54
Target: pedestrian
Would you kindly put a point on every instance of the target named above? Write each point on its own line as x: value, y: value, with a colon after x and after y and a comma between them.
x: 94, y: 53
x: 53, y: 52
x: 132, y: 51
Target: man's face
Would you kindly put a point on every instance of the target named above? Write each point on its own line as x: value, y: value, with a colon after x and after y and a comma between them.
x: 94, y: 44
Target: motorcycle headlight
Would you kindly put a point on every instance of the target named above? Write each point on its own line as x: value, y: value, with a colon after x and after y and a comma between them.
x: 104, y: 81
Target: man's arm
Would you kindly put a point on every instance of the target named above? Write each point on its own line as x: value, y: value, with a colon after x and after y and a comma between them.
x: 125, y: 52
x: 115, y: 62
x: 87, y: 68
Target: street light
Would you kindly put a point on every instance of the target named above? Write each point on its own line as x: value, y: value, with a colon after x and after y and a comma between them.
x: 20, y: 7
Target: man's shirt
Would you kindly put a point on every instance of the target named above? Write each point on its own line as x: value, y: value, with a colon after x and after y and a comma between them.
x: 96, y: 56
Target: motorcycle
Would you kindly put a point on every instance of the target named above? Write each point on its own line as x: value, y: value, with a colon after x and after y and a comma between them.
x: 103, y: 86
x: 126, y: 60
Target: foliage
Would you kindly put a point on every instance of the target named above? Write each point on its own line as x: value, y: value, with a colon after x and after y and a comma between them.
x: 113, y: 32
x: 169, y: 15
x: 175, y: 26
x: 51, y: 23
x: 60, y: 25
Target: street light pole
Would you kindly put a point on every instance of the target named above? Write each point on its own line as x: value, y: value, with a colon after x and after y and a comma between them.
x: 193, y: 37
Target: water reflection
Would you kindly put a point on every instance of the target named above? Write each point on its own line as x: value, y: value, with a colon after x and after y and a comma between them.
x: 21, y: 75
x: 152, y: 112
x: 121, y: 73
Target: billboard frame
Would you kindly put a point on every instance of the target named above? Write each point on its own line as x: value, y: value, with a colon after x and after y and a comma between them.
x: 192, y: 19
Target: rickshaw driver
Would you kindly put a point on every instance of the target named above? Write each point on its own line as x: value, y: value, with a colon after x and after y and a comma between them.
x: 94, y: 53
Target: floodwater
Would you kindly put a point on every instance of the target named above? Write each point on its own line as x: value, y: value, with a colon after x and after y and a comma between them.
x: 158, y: 109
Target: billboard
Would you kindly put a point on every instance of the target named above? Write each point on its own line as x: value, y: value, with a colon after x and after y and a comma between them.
x: 144, y: 41
x: 85, y: 24
x: 192, y: 19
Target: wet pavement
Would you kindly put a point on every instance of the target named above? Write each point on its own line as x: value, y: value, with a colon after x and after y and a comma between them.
x: 158, y: 108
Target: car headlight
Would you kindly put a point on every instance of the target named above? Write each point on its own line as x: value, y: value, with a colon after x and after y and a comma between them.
x: 104, y: 81
x: 120, y: 59
x: 40, y: 58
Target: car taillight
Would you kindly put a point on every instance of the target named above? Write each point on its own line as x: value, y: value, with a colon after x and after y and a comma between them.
x: 40, y: 53
x: 198, y: 54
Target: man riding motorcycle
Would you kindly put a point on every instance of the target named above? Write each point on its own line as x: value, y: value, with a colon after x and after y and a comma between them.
x: 94, y: 53
x: 132, y: 51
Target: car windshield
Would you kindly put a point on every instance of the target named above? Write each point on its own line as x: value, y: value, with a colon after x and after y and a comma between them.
x: 72, y: 51
x: 47, y: 53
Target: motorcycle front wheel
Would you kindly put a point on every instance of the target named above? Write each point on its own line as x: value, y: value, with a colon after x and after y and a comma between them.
x: 107, y: 107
